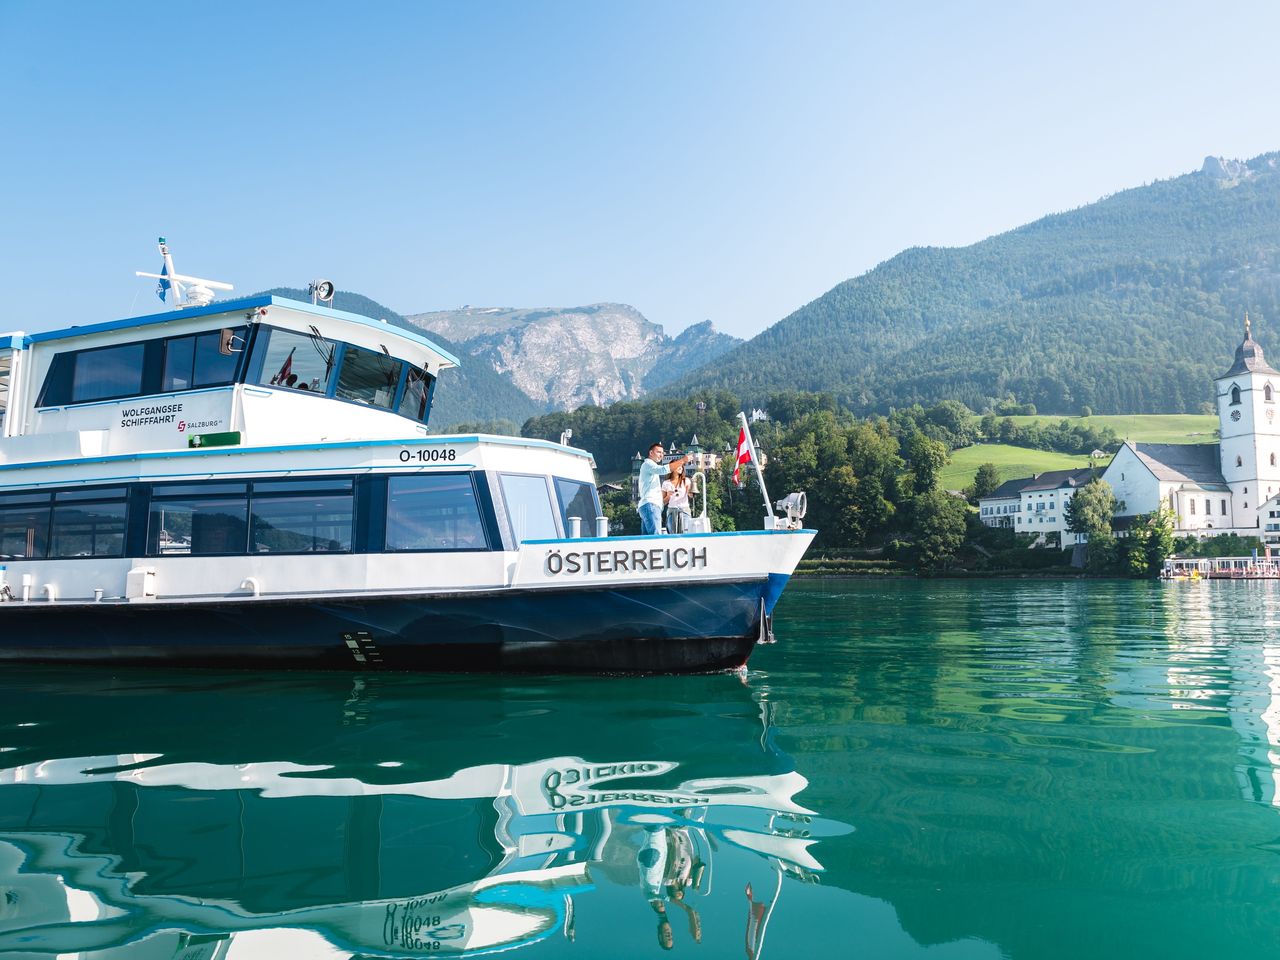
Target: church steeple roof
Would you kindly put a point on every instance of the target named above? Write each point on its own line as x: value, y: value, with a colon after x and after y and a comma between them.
x: 1249, y: 358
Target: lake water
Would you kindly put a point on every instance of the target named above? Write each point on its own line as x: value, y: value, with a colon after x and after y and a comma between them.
x: 951, y: 770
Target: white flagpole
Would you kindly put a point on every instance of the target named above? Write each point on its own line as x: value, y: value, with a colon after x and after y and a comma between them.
x: 755, y: 462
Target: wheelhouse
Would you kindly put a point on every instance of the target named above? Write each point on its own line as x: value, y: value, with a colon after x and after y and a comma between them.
x: 230, y: 372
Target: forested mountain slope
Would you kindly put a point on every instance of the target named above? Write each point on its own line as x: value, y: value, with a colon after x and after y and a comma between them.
x: 1131, y: 304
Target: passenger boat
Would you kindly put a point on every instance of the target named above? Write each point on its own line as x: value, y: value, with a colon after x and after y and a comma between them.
x: 252, y: 483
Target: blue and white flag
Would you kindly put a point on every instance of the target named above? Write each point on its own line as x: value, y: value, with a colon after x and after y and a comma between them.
x: 163, y: 286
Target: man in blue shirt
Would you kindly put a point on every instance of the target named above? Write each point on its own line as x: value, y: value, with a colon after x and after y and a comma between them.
x: 652, y: 472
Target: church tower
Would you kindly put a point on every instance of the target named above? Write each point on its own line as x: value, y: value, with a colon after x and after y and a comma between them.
x: 1249, y: 424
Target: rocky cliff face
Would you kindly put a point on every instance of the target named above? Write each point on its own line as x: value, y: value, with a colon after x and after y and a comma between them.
x: 565, y: 358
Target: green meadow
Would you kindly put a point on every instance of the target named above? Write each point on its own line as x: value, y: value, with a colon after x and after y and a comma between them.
x: 1015, y: 462
x: 1011, y: 461
x: 1145, y: 428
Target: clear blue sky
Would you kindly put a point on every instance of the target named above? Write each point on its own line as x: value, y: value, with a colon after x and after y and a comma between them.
x: 723, y: 161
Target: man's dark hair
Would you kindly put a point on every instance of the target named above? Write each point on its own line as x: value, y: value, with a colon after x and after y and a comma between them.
x: 656, y: 443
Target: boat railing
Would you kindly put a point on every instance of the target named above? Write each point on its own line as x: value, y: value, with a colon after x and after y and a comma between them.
x: 701, y: 522
x: 1221, y: 568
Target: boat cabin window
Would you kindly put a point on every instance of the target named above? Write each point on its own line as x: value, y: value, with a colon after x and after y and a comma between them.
x: 198, y: 519
x: 299, y: 360
x: 368, y: 376
x: 24, y: 525
x: 267, y: 516
x: 577, y: 499
x: 86, y: 522
x: 292, y: 516
x: 417, y: 394
x: 434, y: 512
x: 203, y: 359
x: 529, y: 507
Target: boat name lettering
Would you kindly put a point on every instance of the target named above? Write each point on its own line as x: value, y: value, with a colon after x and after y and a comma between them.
x: 150, y: 416
x: 625, y: 561
x: 429, y: 455
x: 404, y: 927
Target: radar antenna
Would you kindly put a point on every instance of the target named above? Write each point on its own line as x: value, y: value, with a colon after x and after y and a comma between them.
x: 179, y: 290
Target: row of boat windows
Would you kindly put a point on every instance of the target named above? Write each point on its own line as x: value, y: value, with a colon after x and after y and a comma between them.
x: 279, y: 358
x: 423, y: 512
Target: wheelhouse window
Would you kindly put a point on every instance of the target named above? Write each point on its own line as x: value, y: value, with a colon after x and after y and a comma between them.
x: 433, y: 512
x: 368, y: 376
x: 207, y: 359
x: 417, y: 393
x: 529, y: 507
x: 298, y: 360
x: 209, y: 518
x: 309, y: 516
x: 578, y: 499
x: 107, y: 372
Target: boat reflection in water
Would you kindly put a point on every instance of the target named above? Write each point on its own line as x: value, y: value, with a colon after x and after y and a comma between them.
x: 216, y: 852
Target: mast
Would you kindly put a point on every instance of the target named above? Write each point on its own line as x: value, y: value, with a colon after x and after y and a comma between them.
x: 179, y: 290
x: 755, y: 462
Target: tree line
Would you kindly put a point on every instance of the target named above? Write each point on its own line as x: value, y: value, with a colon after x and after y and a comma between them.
x: 872, y: 482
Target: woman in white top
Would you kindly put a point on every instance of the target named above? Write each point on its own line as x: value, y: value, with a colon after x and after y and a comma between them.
x: 675, y: 492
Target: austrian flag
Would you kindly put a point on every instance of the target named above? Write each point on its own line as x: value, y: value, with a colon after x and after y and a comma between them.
x: 744, y: 453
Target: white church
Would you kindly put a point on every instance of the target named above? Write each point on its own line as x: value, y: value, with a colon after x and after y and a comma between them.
x: 1215, y: 488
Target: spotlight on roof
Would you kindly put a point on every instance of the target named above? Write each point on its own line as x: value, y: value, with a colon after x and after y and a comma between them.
x: 321, y: 291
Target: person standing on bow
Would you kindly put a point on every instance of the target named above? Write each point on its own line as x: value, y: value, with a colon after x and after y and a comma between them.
x: 652, y: 470
x: 675, y: 492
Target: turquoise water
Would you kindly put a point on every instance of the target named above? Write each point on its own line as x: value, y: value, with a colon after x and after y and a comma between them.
x: 954, y: 770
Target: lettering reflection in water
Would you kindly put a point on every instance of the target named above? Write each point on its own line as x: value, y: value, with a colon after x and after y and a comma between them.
x: 553, y: 838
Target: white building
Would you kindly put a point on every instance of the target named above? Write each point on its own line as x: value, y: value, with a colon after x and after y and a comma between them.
x: 1036, y: 505
x: 1213, y: 488
x: 1269, y: 517
x: 1001, y: 507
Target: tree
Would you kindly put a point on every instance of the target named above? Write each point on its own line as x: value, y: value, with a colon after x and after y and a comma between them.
x: 1089, y: 512
x: 985, y: 481
x: 927, y: 457
x: 1159, y: 539
x: 938, y: 526
x: 1086, y: 411
x: 1091, y: 509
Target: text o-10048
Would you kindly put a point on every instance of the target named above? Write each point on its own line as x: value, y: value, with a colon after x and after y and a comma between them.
x: 429, y: 455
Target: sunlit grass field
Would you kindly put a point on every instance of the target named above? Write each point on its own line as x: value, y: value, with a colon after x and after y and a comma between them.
x: 1146, y: 428
x: 1015, y: 462
x: 1009, y: 460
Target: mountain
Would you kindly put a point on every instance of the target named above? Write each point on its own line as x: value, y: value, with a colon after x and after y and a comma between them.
x: 1128, y: 305
x: 564, y: 358
x: 469, y: 393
